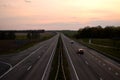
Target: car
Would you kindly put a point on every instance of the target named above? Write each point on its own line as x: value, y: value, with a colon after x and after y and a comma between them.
x: 71, y: 42
x: 80, y: 51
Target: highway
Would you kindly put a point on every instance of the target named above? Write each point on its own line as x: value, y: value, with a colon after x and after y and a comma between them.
x: 90, y: 66
x: 37, y: 64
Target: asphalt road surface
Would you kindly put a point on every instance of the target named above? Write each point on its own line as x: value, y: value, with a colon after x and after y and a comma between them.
x: 91, y: 65
x: 37, y: 64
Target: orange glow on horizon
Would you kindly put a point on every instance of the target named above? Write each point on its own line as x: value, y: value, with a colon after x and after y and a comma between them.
x: 17, y: 12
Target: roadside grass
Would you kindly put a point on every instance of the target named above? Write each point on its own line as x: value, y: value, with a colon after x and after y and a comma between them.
x: 104, y: 42
x: 18, y: 37
x: 27, y: 45
x: 21, y: 43
x: 108, y: 51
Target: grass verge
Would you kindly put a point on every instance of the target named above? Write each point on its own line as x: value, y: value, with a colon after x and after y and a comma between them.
x: 15, y: 46
x: 58, y: 62
x: 113, y: 53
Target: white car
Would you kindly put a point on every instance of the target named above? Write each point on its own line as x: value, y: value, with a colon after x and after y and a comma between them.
x: 80, y: 51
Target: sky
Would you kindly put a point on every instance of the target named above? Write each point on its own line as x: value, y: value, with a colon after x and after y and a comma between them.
x: 58, y: 14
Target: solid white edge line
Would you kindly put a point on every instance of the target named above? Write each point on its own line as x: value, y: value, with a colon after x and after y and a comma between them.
x: 109, y: 68
x: 6, y: 63
x: 71, y: 62
x: 104, y: 64
x: 58, y: 68
x: 62, y: 66
x: 29, y: 68
x: 19, y: 62
x: 86, y: 62
x: 38, y: 57
x: 116, y: 74
x: 101, y: 78
x: 53, y: 52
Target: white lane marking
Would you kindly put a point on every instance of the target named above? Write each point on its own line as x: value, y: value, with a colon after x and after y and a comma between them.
x: 96, y: 59
x: 38, y: 56
x: 20, y: 62
x: 109, y: 68
x: 85, y: 57
x: 71, y: 62
x: 6, y: 63
x: 29, y: 68
x: 104, y: 64
x: 57, y: 68
x: 99, y: 61
x: 62, y: 67
x: 57, y: 73
x: 101, y: 79
x: 116, y: 74
x: 63, y: 72
x: 51, y: 57
x: 86, y: 62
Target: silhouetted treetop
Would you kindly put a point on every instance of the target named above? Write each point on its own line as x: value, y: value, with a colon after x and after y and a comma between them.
x: 99, y: 32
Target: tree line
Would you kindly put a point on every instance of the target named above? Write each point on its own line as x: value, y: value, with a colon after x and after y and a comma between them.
x: 7, y: 35
x: 11, y: 35
x: 111, y: 32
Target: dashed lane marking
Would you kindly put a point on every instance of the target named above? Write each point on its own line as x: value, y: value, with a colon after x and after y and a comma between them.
x: 99, y: 61
x: 109, y: 68
x: 101, y: 79
x: 104, y: 64
x: 86, y: 62
x: 116, y: 74
x: 38, y: 56
x: 29, y: 68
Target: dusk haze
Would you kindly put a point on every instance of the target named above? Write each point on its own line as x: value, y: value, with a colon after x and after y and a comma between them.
x: 58, y: 14
x: 59, y: 39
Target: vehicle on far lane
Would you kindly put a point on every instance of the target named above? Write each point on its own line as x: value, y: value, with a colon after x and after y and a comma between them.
x: 71, y: 42
x: 80, y: 51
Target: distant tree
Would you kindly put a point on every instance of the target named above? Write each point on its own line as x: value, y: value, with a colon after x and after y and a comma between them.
x: 29, y: 35
x: 108, y: 31
x: 11, y: 35
x: 86, y: 32
x: 99, y: 32
x: 35, y: 35
x: 96, y: 32
x: 2, y: 35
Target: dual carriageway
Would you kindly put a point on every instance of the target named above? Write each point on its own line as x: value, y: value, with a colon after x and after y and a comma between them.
x: 56, y: 59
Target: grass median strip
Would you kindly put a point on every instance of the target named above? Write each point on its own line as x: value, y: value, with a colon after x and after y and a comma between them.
x: 59, y: 70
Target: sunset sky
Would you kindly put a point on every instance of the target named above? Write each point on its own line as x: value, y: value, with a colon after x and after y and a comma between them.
x: 58, y: 14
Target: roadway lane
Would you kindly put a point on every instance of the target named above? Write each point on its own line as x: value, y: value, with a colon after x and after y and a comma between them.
x: 4, y: 67
x: 14, y: 58
x: 36, y: 61
x: 42, y: 68
x: 90, y: 66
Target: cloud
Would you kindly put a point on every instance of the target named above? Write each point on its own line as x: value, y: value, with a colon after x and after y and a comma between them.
x: 27, y: 1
